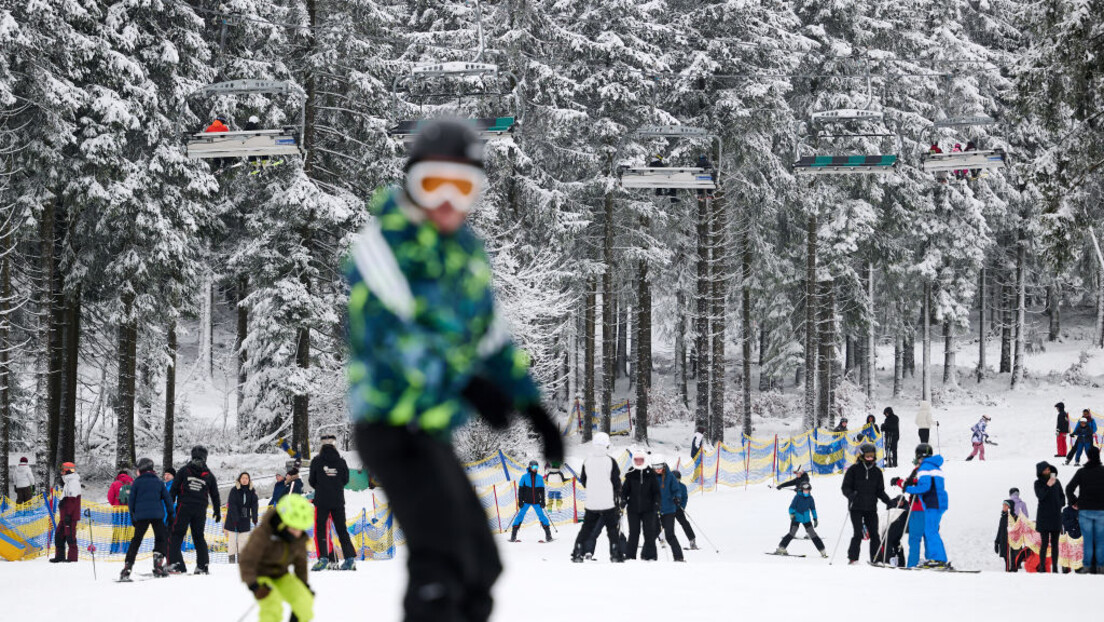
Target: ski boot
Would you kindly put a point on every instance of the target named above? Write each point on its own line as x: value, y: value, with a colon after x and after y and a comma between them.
x: 577, y: 559
x: 322, y: 564
x: 158, y: 565
x: 513, y: 534
x: 349, y: 563
x: 781, y: 551
x: 233, y: 559
x: 201, y: 570
x: 124, y: 576
x: 177, y: 568
x: 694, y: 545
x: 547, y: 533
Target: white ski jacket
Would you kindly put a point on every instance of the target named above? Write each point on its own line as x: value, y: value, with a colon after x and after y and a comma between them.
x: 602, y: 479
x: 24, y: 478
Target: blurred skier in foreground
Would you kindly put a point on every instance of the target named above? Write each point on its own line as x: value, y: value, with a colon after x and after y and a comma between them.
x: 426, y: 347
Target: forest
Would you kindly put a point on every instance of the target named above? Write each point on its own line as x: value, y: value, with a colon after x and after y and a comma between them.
x: 116, y: 247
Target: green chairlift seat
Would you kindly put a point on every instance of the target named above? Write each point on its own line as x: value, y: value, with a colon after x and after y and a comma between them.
x: 845, y: 165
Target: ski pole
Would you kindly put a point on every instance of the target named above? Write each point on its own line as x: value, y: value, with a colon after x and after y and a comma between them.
x: 882, y: 549
x: 91, y: 543
x: 938, y: 441
x: 702, y: 532
x: 839, y: 538
x: 248, y: 611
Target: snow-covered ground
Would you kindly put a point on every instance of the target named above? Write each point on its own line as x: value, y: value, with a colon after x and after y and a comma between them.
x: 540, y: 583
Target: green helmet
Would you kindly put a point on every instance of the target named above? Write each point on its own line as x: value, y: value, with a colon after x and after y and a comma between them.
x: 295, y: 512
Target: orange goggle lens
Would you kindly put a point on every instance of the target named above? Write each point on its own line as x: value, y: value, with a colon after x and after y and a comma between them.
x: 432, y: 184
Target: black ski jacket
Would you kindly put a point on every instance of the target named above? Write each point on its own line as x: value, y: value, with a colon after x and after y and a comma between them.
x: 1062, y: 425
x: 891, y: 426
x: 640, y: 493
x: 192, y: 486
x: 1051, y: 501
x: 1090, y: 480
x: 328, y: 475
x: 864, y: 486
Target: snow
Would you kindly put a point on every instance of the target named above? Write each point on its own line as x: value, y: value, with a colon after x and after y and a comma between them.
x: 738, y: 581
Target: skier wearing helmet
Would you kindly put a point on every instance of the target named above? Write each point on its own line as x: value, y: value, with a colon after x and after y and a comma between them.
x: 601, y: 477
x: 279, y: 541
x: 863, y: 485
x: 193, y: 484
x: 979, y: 438
x: 641, y: 499
x: 1082, y: 435
x: 930, y: 495
x: 671, y: 497
x: 69, y: 514
x: 802, y: 513
x: 531, y: 495
x: 426, y: 348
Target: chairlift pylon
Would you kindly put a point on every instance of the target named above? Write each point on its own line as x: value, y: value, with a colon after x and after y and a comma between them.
x: 247, y: 143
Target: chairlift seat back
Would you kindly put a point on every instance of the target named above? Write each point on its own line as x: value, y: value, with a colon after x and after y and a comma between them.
x: 491, y: 127
x: 846, y: 114
x: 243, y: 144
x: 845, y: 165
x: 955, y: 161
x: 668, y: 177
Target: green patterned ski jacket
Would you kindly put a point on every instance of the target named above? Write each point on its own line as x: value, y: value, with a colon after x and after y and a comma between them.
x: 422, y: 323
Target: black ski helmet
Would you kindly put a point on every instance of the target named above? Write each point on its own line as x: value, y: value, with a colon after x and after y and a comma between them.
x: 452, y: 141
x: 533, y: 465
x: 924, y: 450
x: 145, y: 464
x: 805, y: 486
x: 199, y: 452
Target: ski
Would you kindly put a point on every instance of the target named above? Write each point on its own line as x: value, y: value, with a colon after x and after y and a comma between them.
x: 929, y: 568
x: 786, y: 555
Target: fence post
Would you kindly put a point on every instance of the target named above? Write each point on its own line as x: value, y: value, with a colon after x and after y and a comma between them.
x: 717, y: 473
x: 775, y: 458
x: 746, y: 442
x: 574, y: 502
x: 701, y: 468
x: 502, y: 461
x: 498, y: 512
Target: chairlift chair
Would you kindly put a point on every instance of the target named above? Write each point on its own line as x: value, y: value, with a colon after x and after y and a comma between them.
x: 678, y: 177
x: 860, y: 164
x: 246, y: 143
x: 975, y: 159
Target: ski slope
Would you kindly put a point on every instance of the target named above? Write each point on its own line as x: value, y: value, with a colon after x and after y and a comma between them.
x: 540, y: 583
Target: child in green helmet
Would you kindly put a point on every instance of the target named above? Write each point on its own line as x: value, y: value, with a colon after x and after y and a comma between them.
x: 279, y: 541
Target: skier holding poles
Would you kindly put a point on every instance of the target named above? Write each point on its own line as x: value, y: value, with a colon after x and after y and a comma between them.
x: 864, y: 486
x: 426, y: 348
x: 601, y: 477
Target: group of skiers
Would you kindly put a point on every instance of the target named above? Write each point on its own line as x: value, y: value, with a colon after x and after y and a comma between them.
x: 1083, y: 434
x: 651, y: 497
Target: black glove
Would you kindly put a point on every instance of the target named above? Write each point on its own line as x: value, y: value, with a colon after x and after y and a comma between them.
x: 489, y: 401
x: 218, y: 516
x: 896, y: 481
x: 815, y: 523
x: 996, y: 548
x: 260, y: 591
x: 549, y: 433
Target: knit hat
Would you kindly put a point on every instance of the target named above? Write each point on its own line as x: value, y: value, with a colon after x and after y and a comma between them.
x: 23, y: 460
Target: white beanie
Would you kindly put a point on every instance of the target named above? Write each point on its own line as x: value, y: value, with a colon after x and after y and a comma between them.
x: 601, y: 439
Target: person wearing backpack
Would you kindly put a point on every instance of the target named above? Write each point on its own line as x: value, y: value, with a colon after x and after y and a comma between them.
x: 241, y: 515
x: 118, y: 495
x: 149, y: 505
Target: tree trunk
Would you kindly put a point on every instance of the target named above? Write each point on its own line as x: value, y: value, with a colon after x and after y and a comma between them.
x: 701, y: 320
x: 925, y: 323
x: 588, y: 358
x: 1053, y: 311
x: 609, y: 330
x: 1099, y: 288
x: 1006, y: 329
x: 67, y: 425
x: 1021, y: 313
x: 300, y: 403
x: 869, y: 358
x: 950, y: 373
x: 170, y: 401
x: 643, y: 365
x: 124, y: 395
x: 766, y: 381
x: 718, y: 317
x: 898, y: 363
x: 983, y: 336
x: 812, y: 334
x: 908, y: 354
x: 622, y: 339
x: 54, y: 246
x: 680, y: 349
x: 7, y: 250
x: 241, y: 356
x: 826, y: 355
x: 746, y: 332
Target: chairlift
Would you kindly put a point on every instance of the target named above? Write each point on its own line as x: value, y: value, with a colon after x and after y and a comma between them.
x: 496, y: 82
x: 677, y: 177
x: 971, y: 160
x: 247, y: 143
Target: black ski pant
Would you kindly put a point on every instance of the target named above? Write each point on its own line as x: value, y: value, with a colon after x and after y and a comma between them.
x: 680, y: 516
x: 788, y: 538
x: 593, y: 521
x: 453, y: 562
x: 321, y: 534
x: 649, y: 521
x: 23, y: 495
x: 891, y: 439
x: 925, y: 434
x: 1050, y: 537
x: 668, y: 522
x: 858, y: 519
x: 140, y: 527
x: 192, y: 517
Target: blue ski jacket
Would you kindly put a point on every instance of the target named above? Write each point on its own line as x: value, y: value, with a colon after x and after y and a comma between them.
x: 148, y: 498
x: 671, y: 496
x: 929, y: 484
x: 803, y: 508
x: 531, y: 489
x: 684, y: 496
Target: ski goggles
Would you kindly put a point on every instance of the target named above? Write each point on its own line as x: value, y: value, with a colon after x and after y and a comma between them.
x: 431, y: 184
